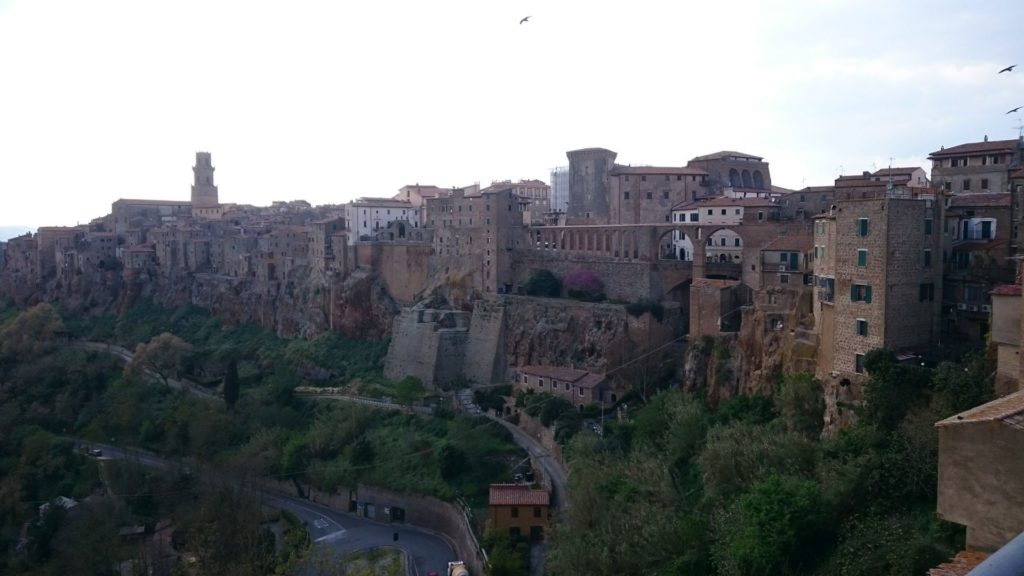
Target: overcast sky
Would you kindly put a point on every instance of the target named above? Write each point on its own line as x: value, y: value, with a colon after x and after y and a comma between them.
x: 328, y: 101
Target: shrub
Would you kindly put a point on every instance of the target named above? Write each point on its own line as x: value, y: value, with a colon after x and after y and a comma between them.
x: 638, y: 308
x: 584, y: 285
x: 544, y: 283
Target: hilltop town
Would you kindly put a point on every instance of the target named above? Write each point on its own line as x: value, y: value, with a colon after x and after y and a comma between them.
x: 589, y: 286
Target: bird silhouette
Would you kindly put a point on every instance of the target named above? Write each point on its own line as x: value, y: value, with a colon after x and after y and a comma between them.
x: 525, y: 19
x: 1015, y: 109
x: 1007, y: 69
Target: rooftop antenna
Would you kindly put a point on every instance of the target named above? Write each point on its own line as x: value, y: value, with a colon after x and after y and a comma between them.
x: 889, y: 185
x: 1020, y: 128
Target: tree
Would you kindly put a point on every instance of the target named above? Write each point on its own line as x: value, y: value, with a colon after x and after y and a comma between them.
x: 544, y: 283
x: 801, y: 404
x: 30, y: 333
x: 163, y: 355
x: 776, y: 525
x: 408, y: 390
x: 892, y: 388
x: 451, y: 462
x: 231, y: 385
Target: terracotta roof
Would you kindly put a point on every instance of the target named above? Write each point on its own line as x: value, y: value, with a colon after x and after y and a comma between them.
x: 960, y: 565
x: 1007, y: 407
x: 811, y: 189
x: 900, y: 170
x: 979, y: 199
x: 975, y: 246
x: 725, y: 154
x: 517, y: 495
x: 563, y: 373
x: 1018, y: 173
x: 977, y: 148
x: 1006, y: 290
x: 714, y: 283
x: 591, y: 380
x: 617, y: 170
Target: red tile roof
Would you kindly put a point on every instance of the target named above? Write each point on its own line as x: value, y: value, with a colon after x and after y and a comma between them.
x: 979, y: 199
x: 1006, y: 290
x: 897, y: 170
x: 682, y: 170
x: 517, y: 495
x: 976, y: 148
x: 961, y: 565
x: 725, y: 154
x: 563, y: 373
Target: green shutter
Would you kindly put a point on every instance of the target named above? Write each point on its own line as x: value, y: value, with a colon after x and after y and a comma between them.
x: 853, y: 292
x: 867, y: 293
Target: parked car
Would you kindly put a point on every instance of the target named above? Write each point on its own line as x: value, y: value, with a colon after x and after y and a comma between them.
x: 95, y: 452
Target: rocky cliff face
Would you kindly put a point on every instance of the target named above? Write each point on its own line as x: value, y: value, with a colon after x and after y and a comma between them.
x: 775, y: 338
x: 596, y: 337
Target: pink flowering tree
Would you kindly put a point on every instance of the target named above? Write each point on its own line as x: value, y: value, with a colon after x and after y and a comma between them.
x: 584, y: 285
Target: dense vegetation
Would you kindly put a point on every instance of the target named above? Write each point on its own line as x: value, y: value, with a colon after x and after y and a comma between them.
x: 51, y: 393
x: 750, y: 488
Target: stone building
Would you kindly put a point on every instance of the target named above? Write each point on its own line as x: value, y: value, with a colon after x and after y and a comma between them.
x: 579, y: 387
x: 417, y: 195
x: 978, y: 232
x: 367, y: 216
x: 328, y: 248
x: 976, y: 166
x: 1005, y: 336
x: 589, y: 186
x: 205, y: 199
x: 981, y: 471
x: 877, y: 278
x: 518, y: 509
x: 807, y: 202
x: 728, y: 169
x: 474, y: 235
x: 646, y: 194
x: 536, y: 192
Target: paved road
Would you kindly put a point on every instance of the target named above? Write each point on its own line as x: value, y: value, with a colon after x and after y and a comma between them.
x: 329, y: 529
x: 125, y: 355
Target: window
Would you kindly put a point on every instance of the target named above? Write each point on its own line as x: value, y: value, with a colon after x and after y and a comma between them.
x: 515, y: 512
x: 721, y: 241
x: 625, y: 195
x: 736, y: 241
x: 526, y: 379
x: 581, y: 391
x: 643, y: 178
x: 694, y: 216
x: 927, y: 226
x: 664, y: 193
x: 650, y: 195
x: 926, y: 292
x: 536, y: 511
x: 566, y: 385
x: 926, y: 258
x: 862, y: 258
x: 860, y: 293
x: 723, y: 211
x: 862, y: 327
x: 862, y: 226
x: 760, y: 215
x: 858, y: 363
x: 967, y: 184
x: 710, y: 212
x: 783, y: 278
x: 737, y: 211
x: 540, y: 382
x: 984, y: 183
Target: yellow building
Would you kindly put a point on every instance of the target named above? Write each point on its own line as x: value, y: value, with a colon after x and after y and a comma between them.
x: 521, y: 510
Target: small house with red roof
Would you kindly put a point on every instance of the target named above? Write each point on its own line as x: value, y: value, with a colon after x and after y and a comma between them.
x: 519, y: 509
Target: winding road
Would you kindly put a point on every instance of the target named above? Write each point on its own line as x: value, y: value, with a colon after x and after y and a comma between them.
x: 339, y: 532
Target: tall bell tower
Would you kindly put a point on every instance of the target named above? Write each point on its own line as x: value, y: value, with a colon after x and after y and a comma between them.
x: 204, y: 193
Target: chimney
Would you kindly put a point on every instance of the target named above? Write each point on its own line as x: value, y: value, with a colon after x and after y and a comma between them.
x: 986, y: 137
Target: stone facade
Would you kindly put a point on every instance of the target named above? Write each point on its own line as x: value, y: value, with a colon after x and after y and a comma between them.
x: 428, y: 344
x: 976, y: 166
x: 589, y: 186
x: 518, y: 510
x: 728, y: 169
x: 578, y: 387
x: 646, y: 194
x: 1005, y: 336
x: 981, y: 471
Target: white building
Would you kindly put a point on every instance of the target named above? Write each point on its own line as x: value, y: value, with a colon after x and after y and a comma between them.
x: 367, y: 216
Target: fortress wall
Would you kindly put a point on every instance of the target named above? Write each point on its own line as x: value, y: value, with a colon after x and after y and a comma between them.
x: 484, y: 352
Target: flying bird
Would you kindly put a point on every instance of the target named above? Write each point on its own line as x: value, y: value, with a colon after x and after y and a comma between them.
x: 528, y: 17
x: 1015, y: 109
x: 1007, y: 69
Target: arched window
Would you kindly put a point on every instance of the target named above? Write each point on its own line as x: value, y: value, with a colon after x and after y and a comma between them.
x: 758, y: 180
x: 734, y: 177
x: 747, y: 181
